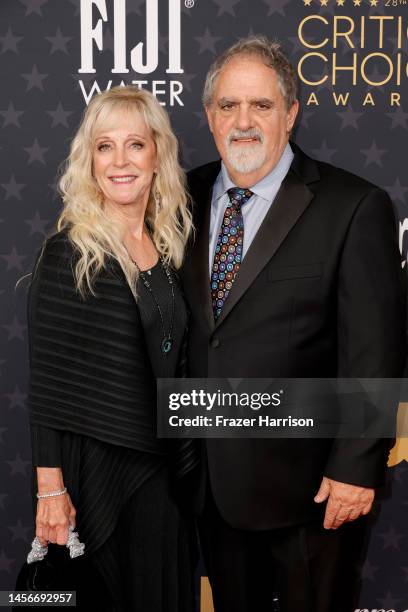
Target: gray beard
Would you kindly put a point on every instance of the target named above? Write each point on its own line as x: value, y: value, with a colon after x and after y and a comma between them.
x: 246, y: 159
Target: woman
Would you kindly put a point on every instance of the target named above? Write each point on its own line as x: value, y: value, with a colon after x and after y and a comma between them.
x: 106, y: 318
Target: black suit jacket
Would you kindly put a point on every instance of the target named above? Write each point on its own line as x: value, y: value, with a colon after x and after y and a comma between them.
x: 320, y: 293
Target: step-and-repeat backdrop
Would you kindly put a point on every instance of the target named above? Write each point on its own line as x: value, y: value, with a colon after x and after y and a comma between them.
x: 351, y: 57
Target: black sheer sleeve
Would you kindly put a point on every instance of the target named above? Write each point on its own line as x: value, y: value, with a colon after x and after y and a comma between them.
x: 46, y: 446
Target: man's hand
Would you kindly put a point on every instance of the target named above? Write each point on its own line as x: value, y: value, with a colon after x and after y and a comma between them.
x: 345, y: 502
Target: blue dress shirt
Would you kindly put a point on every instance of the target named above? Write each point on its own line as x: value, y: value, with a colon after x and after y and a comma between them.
x: 254, y: 210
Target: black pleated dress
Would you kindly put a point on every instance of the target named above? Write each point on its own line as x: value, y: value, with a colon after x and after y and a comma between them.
x: 92, y: 402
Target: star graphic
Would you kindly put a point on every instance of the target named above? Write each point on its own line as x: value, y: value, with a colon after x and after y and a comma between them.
x: 163, y: 44
x: 202, y: 117
x: 59, y: 116
x: 373, y: 2
x: 18, y: 466
x: 357, y: 2
x: 251, y: 32
x: 344, y: 46
x: 324, y: 152
x: 349, y: 118
x: 388, y: 602
x: 13, y: 188
x: 276, y: 6
x: 2, y: 498
x: 368, y: 571
x: 297, y: 46
x: 305, y: 118
x: 327, y: 84
x: 397, y: 192
x: 323, y: 2
x: 10, y: 42
x: 87, y: 79
x: 186, y: 10
x: 340, y: 2
x: 37, y: 225
x: 391, y: 538
x: 77, y: 5
x: 376, y: 77
x: 58, y: 42
x: 16, y: 399
x: 307, y: 2
x: 33, y: 6
x: 396, y: 45
x: 34, y: 79
x: 14, y: 260
x: 15, y: 330
x: 373, y: 154
x: 328, y: 7
x: 134, y: 7
x: 54, y: 189
x: 20, y: 532
x: 207, y: 42
x: 186, y: 154
x: 399, y: 118
x: 226, y: 6
x: 108, y: 40
x: 5, y: 562
x: 186, y: 79
x: 36, y: 152
x: 11, y: 116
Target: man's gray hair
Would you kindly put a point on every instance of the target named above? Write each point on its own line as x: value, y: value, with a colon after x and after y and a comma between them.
x: 271, y: 54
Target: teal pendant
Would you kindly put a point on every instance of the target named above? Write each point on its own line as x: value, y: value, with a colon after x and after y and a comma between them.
x: 166, y: 345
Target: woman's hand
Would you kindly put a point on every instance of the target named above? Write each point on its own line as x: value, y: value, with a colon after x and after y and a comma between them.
x: 54, y: 514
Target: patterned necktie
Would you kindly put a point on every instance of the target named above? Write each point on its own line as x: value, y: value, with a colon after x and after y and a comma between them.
x: 228, y: 251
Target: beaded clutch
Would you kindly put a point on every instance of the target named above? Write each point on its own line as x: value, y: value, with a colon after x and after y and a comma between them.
x: 54, y: 570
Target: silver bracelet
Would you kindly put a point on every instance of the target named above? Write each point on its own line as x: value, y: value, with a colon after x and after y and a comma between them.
x: 52, y: 493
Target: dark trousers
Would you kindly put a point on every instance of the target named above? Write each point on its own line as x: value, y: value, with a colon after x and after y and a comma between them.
x: 310, y: 568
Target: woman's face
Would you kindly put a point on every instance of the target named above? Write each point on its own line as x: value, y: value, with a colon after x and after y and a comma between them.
x: 124, y: 160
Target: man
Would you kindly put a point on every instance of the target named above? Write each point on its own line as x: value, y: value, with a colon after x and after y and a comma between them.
x: 294, y: 272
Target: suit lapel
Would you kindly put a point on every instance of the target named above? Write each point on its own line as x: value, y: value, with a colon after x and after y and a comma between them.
x: 291, y: 201
x: 200, y: 262
x: 201, y: 191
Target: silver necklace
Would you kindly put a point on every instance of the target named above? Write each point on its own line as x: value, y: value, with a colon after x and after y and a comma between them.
x: 167, y: 338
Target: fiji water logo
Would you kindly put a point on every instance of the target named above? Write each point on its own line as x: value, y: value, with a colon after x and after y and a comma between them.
x: 137, y: 59
x: 92, y: 36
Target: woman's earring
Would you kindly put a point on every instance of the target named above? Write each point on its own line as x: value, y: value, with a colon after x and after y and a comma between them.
x: 157, y: 199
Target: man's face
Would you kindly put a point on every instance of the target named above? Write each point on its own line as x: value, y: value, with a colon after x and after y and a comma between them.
x: 249, y: 119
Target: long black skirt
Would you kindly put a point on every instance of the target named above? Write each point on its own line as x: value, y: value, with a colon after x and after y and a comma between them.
x: 147, y: 562
x: 140, y: 548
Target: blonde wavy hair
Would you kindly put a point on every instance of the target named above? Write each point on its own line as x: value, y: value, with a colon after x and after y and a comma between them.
x: 97, y: 236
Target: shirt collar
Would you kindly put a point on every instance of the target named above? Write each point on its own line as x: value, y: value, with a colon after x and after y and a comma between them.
x: 265, y: 186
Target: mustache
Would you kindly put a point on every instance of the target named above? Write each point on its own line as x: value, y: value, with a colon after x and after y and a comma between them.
x: 251, y: 133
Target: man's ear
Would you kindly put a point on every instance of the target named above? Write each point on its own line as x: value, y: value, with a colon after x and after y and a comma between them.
x: 209, y: 112
x: 291, y: 117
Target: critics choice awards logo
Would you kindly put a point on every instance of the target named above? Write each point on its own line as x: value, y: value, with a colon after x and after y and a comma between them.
x: 359, y: 56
